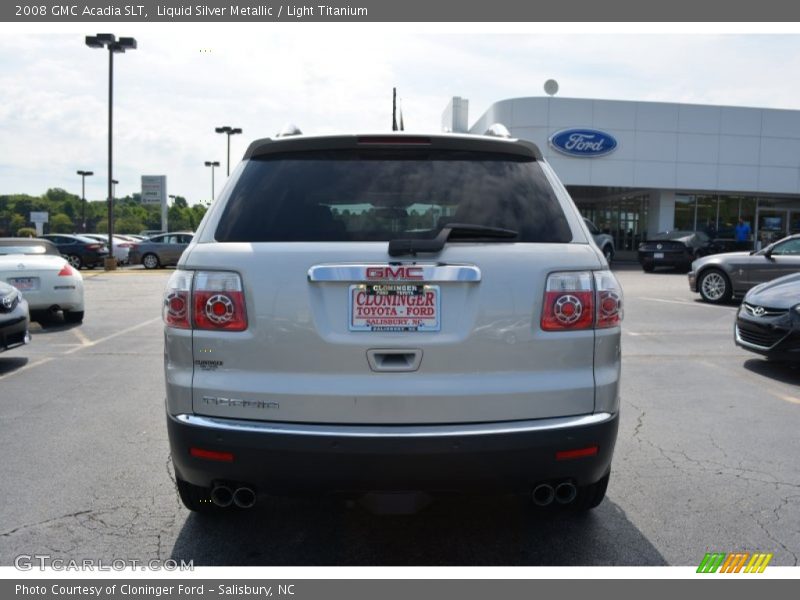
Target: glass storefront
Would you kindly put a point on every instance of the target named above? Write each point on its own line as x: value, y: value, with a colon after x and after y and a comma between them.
x: 623, y: 216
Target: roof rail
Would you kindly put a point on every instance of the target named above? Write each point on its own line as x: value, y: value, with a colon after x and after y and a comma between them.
x: 497, y: 130
x: 288, y: 130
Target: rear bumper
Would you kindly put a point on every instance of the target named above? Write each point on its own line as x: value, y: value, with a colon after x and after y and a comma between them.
x: 289, y: 458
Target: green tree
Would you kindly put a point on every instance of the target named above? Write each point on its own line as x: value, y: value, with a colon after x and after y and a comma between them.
x: 61, y: 223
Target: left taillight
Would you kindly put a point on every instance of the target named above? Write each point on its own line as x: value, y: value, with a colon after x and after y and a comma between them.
x: 66, y: 271
x: 176, y: 307
x: 210, y: 300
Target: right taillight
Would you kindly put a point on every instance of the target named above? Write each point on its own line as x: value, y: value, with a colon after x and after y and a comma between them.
x: 581, y: 300
x: 609, y: 299
x: 211, y: 300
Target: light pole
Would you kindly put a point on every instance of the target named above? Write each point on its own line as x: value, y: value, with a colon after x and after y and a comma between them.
x: 212, y: 164
x: 230, y: 131
x: 108, y: 40
x: 114, y: 183
x: 84, y: 175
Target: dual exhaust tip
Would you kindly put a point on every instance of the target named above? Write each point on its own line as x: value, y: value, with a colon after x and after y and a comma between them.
x: 224, y: 496
x: 545, y: 494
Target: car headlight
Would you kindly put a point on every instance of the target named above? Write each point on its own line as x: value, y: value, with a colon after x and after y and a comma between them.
x: 796, y: 309
x: 9, y: 301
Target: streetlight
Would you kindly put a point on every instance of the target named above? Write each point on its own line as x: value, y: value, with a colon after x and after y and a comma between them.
x: 114, y: 183
x: 108, y: 40
x: 230, y: 131
x: 212, y: 165
x: 84, y: 175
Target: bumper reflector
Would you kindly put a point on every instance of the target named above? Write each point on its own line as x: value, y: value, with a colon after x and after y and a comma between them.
x: 211, y: 454
x: 579, y: 453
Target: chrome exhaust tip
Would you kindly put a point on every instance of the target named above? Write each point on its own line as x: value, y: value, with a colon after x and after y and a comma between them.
x: 244, y: 497
x: 566, y: 492
x: 222, y: 496
x: 543, y: 494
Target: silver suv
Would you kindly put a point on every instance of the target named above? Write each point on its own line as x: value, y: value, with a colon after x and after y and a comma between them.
x: 372, y: 314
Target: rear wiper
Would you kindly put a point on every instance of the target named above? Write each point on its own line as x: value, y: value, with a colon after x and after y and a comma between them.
x: 461, y: 230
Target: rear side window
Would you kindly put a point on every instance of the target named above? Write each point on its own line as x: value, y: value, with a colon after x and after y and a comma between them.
x: 378, y: 195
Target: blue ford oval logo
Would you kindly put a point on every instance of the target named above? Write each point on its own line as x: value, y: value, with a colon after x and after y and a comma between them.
x: 583, y: 142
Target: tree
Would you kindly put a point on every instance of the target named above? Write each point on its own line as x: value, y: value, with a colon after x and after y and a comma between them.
x: 61, y: 223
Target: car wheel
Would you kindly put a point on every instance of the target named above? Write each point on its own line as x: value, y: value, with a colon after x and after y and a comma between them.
x: 648, y: 268
x: 608, y: 252
x: 591, y: 496
x: 714, y: 286
x: 195, y: 498
x: 73, y: 316
x: 150, y: 261
x: 74, y: 261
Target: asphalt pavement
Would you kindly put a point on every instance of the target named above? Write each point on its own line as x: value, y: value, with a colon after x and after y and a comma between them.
x: 706, y: 458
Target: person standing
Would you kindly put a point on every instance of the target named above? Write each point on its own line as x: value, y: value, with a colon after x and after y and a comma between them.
x: 742, y: 232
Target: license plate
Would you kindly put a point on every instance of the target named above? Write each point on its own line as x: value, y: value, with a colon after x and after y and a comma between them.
x: 24, y: 284
x: 394, y: 307
x: 658, y: 255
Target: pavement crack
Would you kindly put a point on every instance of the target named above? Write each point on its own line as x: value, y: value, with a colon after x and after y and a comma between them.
x: 45, y: 522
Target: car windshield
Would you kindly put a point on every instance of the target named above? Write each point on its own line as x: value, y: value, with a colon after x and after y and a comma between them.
x: 672, y: 235
x: 23, y: 248
x: 381, y: 195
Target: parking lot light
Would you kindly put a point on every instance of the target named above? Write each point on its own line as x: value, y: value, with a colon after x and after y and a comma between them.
x: 109, y: 40
x: 212, y: 164
x: 84, y: 175
x: 229, y: 131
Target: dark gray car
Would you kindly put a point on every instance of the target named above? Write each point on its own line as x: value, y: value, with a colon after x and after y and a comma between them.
x: 160, y: 250
x: 719, y: 277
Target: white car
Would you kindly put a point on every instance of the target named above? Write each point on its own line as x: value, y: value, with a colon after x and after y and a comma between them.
x: 47, y: 281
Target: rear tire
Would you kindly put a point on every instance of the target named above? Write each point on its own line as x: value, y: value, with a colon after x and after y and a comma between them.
x: 591, y: 496
x: 608, y: 252
x: 714, y: 286
x: 75, y: 261
x: 648, y: 268
x: 150, y: 261
x: 195, y: 498
x: 73, y: 316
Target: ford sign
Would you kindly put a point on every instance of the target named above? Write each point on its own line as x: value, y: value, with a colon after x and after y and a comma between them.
x: 583, y: 142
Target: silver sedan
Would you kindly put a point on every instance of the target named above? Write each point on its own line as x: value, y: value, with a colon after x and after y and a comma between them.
x: 719, y: 277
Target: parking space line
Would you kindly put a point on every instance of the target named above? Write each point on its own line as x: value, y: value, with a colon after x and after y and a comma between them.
x: 85, y: 341
x: 685, y: 303
x: 114, y: 335
x: 27, y: 367
x: 760, y: 380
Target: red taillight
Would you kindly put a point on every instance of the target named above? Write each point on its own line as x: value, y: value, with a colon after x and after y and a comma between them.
x: 66, y: 271
x: 578, y: 453
x: 218, y: 301
x: 211, y: 300
x: 581, y: 300
x: 211, y: 454
x: 175, y: 310
x: 568, y: 302
x: 124, y: 245
x: 94, y: 246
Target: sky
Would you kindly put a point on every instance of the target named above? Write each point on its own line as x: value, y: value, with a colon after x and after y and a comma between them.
x: 186, y: 79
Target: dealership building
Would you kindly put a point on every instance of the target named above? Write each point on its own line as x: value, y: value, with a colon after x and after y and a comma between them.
x: 637, y: 168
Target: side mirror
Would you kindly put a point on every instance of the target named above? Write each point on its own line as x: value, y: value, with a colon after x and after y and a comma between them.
x: 768, y: 254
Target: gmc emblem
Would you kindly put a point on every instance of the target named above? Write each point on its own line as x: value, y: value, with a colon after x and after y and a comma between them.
x: 386, y: 273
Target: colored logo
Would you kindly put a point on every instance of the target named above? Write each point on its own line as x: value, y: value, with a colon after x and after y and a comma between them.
x: 734, y: 562
x: 585, y: 143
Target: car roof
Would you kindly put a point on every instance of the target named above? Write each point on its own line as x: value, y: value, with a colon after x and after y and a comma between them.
x: 442, y: 141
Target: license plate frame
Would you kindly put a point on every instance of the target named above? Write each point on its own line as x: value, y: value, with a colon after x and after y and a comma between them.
x: 24, y: 284
x: 396, y: 317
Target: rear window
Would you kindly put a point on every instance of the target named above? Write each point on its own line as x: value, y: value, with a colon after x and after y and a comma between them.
x: 355, y: 195
x: 22, y: 247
